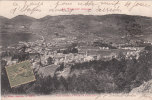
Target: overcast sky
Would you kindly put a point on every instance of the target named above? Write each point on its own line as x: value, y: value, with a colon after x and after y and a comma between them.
x: 11, y: 9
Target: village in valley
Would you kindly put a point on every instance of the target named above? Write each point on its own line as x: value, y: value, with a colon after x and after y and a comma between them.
x: 47, y: 56
x: 103, y: 54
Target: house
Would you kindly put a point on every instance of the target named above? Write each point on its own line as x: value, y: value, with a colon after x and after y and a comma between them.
x: 104, y: 48
x: 88, y: 58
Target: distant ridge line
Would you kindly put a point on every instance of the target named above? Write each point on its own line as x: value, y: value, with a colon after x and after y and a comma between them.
x: 75, y: 15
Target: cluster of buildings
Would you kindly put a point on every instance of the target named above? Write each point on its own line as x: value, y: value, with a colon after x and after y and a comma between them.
x: 40, y: 51
x: 47, y: 50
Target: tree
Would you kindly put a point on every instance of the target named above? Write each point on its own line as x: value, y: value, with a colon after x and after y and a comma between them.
x: 72, y: 83
x: 50, y: 60
x: 63, y: 84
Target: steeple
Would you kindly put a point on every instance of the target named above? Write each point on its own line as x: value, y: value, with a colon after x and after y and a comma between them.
x: 86, y: 53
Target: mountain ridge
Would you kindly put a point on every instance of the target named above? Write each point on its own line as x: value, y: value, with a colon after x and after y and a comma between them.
x: 116, y: 28
x: 75, y: 15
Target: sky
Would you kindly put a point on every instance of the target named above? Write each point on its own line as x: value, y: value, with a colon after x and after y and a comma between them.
x: 39, y: 9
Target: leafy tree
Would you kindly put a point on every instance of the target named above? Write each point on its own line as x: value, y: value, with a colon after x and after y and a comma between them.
x: 50, y: 60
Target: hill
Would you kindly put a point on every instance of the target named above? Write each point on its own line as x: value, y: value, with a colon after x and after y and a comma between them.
x: 144, y: 88
x: 22, y: 19
x: 3, y: 19
x: 114, y: 28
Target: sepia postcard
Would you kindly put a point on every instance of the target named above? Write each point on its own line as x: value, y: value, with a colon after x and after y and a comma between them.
x: 70, y: 50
